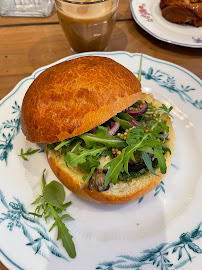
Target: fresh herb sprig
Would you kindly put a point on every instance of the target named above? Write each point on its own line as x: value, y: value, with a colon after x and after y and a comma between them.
x: 51, y: 204
x: 140, y: 68
x: 29, y: 152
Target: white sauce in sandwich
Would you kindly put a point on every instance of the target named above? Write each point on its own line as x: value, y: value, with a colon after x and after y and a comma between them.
x: 103, y: 160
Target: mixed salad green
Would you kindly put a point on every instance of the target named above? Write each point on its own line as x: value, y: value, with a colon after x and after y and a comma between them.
x: 51, y: 204
x: 138, y: 139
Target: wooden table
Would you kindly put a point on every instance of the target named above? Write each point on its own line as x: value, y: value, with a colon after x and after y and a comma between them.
x: 29, y: 43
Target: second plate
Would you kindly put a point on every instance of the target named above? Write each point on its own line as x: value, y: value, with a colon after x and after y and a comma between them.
x: 148, y: 15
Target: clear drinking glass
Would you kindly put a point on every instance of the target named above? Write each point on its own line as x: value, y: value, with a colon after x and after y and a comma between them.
x: 26, y: 8
x: 87, y: 24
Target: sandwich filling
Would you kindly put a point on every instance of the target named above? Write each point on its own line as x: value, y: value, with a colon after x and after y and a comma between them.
x: 128, y: 145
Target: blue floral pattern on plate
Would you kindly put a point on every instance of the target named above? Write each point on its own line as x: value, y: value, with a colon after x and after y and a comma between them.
x: 197, y: 40
x: 163, y: 257
x: 17, y: 217
x: 168, y: 82
x: 6, y: 139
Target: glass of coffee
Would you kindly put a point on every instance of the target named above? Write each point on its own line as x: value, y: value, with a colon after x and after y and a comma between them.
x: 87, y: 24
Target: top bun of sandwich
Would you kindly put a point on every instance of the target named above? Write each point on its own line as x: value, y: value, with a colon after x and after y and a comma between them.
x: 75, y: 96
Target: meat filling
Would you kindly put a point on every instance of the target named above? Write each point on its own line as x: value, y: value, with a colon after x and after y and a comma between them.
x: 97, y: 180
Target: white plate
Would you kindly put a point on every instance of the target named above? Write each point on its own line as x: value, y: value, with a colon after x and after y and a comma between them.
x: 147, y: 14
x: 160, y: 230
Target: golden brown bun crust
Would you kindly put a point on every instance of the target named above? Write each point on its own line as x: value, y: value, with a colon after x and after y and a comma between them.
x: 122, y: 192
x: 75, y: 96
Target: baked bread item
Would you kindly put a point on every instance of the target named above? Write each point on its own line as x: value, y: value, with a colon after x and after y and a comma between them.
x: 72, y: 101
x: 122, y: 192
x: 75, y: 96
x: 182, y: 11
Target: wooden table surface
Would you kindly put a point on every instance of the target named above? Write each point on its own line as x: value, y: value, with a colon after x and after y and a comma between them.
x: 29, y: 43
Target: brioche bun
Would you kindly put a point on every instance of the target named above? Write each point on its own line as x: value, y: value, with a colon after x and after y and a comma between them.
x: 122, y: 192
x: 75, y: 96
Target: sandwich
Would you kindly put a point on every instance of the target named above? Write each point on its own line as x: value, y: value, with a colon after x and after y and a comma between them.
x: 107, y: 141
x: 182, y: 11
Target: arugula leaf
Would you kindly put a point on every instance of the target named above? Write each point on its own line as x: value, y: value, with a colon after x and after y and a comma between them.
x: 29, y: 152
x: 129, y: 153
x: 125, y: 116
x: 156, y: 129
x: 43, y: 182
x: 148, y: 163
x: 75, y: 147
x: 165, y: 110
x: 147, y: 149
x: 37, y: 200
x: 135, y: 139
x: 63, y: 233
x: 50, y: 146
x: 161, y: 136
x: 124, y: 124
x: 134, y: 135
x: 158, y: 153
x: 90, y: 162
x: 150, y: 141
x: 54, y: 194
x: 166, y: 149
x: 75, y: 159
x: 164, y: 126
x: 64, y: 143
x: 87, y: 177
x: 52, y: 199
x: 115, y: 167
x: 103, y: 138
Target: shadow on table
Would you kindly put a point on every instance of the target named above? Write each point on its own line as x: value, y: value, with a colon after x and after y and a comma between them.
x: 119, y: 40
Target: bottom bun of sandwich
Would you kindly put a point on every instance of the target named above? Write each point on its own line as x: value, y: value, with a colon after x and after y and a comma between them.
x: 123, y: 191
